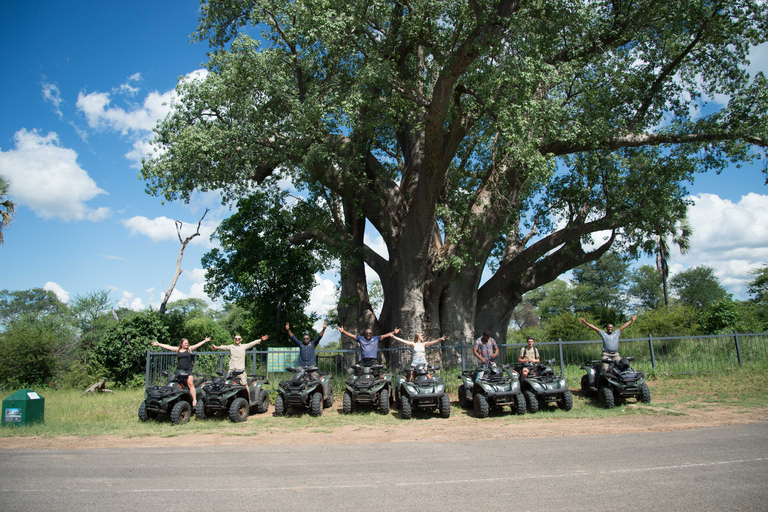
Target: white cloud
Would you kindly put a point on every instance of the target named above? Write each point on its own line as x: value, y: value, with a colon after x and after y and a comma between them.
x: 127, y: 300
x: 99, y: 114
x: 730, y: 237
x: 47, y: 178
x: 52, y: 95
x: 60, y: 292
x: 323, y: 297
x: 162, y: 229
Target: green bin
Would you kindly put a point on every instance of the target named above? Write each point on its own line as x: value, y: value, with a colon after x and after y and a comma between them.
x: 23, y: 407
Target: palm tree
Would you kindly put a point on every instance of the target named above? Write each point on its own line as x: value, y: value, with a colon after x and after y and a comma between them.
x: 680, y: 233
x: 7, y: 207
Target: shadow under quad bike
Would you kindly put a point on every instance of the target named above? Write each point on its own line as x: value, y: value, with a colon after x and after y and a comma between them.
x: 226, y: 393
x: 498, y: 386
x: 613, y: 386
x: 304, y: 391
x: 425, y: 391
x: 543, y: 386
x: 172, y: 398
x: 367, y: 386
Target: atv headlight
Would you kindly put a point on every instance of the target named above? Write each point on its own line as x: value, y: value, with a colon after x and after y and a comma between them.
x: 410, y: 388
x: 440, y: 388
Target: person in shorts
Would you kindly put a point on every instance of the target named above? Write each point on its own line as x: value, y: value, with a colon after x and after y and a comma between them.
x: 528, y: 354
x: 419, y: 347
x: 485, y: 350
x: 237, y: 357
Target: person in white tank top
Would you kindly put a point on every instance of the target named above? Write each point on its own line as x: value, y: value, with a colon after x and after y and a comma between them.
x: 419, y: 347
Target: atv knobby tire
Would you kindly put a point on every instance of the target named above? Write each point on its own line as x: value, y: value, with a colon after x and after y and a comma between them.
x: 316, y: 406
x: 481, y: 405
x: 384, y: 401
x: 328, y: 402
x: 263, y: 404
x: 586, y: 390
x: 566, y: 401
x: 605, y: 395
x: 519, y: 406
x: 279, y: 405
x: 405, y: 408
x: 444, y: 406
x: 181, y: 413
x: 645, y: 394
x: 143, y: 414
x: 531, y: 401
x: 238, y: 410
x: 346, y: 403
x: 200, y: 410
x: 463, y: 401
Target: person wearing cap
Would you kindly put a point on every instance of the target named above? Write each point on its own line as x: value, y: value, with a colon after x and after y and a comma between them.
x: 237, y: 357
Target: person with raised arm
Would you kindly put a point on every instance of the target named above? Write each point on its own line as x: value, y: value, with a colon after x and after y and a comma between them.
x: 419, y: 347
x: 184, y: 361
x: 237, y: 357
x: 369, y: 344
x: 610, y: 341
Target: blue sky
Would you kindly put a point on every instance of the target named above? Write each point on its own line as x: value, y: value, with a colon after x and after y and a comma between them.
x: 85, y: 83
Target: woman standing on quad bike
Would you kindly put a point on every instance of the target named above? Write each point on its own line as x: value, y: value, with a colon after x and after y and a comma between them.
x: 184, y: 360
x: 419, y: 349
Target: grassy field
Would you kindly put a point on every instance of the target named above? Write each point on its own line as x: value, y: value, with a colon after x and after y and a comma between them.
x: 67, y: 413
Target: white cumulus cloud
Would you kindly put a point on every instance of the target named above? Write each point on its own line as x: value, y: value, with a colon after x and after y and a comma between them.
x: 60, y: 292
x: 730, y: 237
x: 47, y: 178
x: 162, y: 229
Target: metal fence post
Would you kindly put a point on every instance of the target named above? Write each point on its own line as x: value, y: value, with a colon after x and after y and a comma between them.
x: 653, y: 355
x: 146, y: 372
x: 738, y: 348
x: 562, y: 363
x: 461, y: 348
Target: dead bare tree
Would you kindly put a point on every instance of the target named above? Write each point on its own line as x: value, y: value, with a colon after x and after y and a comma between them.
x: 184, y: 243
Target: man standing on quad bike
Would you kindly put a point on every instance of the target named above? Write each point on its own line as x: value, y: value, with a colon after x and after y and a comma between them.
x: 306, y: 348
x: 528, y: 354
x: 369, y: 344
x: 185, y: 360
x: 237, y: 357
x: 610, y: 341
x: 485, y: 350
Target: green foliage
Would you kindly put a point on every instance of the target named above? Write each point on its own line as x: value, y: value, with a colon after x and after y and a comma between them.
x: 551, y: 299
x: 190, y: 307
x: 646, y: 287
x: 673, y: 320
x: 35, y: 302
x: 566, y: 326
x: 29, y: 349
x: 121, y: 352
x: 198, y: 327
x: 600, y: 287
x: 7, y: 207
x: 258, y: 267
x: 758, y: 287
x: 698, y: 287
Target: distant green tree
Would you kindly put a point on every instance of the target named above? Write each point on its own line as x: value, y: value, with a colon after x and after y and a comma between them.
x: 721, y: 316
x: 233, y: 318
x: 600, y: 288
x: 120, y: 354
x: 646, y: 287
x: 698, y: 287
x: 35, y: 302
x: 7, y: 207
x: 190, y: 307
x: 31, y: 350
x: 551, y: 299
x: 758, y: 287
x: 262, y: 265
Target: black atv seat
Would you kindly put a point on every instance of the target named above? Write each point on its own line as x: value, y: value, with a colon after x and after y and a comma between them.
x: 197, y: 381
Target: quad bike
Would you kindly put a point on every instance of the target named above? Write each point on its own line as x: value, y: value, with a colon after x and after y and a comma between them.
x: 367, y: 385
x: 172, y: 398
x: 304, y: 391
x: 543, y: 386
x: 424, y: 391
x: 498, y: 386
x: 613, y: 386
x: 226, y: 393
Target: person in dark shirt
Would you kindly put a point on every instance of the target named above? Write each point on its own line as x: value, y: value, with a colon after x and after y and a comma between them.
x: 306, y: 347
x: 185, y: 362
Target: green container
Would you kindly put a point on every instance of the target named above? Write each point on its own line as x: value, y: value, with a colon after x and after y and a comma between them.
x: 22, y: 408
